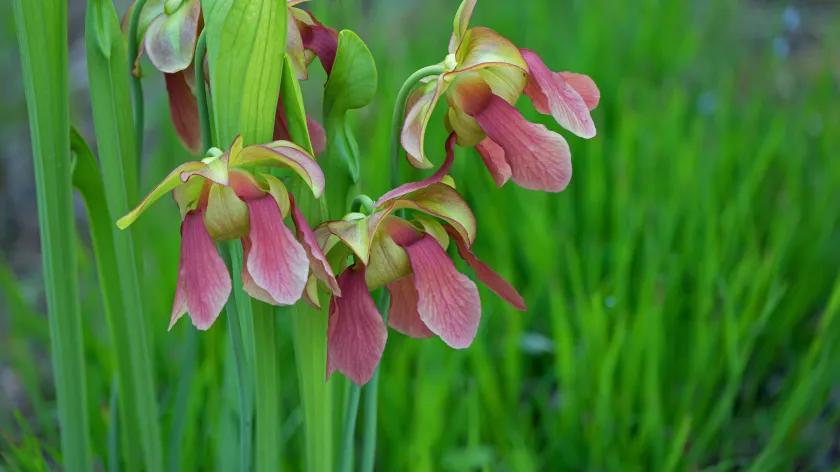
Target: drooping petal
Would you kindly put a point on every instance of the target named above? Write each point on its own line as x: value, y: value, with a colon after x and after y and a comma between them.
x: 402, y: 314
x: 433, y: 179
x: 488, y: 276
x: 585, y: 87
x: 170, y: 38
x: 494, y: 158
x: 461, y: 23
x: 321, y: 40
x: 539, y: 159
x: 447, y: 300
x: 183, y: 109
x: 274, y: 261
x: 203, y: 280
x: 169, y: 183
x: 285, y: 154
x: 356, y: 334
x: 317, y: 260
x: 419, y: 108
x: 552, y: 94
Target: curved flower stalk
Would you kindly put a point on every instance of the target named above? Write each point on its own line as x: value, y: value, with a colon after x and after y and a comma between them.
x: 484, y: 76
x: 407, y: 255
x: 223, y: 197
x: 168, y: 31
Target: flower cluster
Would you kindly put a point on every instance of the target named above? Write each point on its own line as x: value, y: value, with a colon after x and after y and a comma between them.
x: 398, y: 243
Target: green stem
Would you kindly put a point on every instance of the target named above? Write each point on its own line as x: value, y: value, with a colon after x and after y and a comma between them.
x: 244, y: 380
x: 371, y: 401
x: 42, y: 37
x: 267, y: 401
x: 351, y: 410
x: 399, y: 111
x: 201, y: 92
x: 136, y: 74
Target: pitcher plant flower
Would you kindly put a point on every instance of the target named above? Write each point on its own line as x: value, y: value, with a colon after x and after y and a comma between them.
x: 168, y: 31
x: 224, y: 197
x: 407, y: 255
x: 484, y: 76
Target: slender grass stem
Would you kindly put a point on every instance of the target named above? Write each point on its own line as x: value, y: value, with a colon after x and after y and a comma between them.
x: 42, y: 36
x: 136, y: 74
x: 265, y: 376
x: 351, y: 410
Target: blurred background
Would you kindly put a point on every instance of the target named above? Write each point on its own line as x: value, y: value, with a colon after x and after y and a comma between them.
x: 683, y: 292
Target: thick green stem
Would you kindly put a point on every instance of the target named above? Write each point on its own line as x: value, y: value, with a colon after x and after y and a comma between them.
x: 399, y: 111
x: 136, y: 74
x: 42, y: 36
x: 267, y: 400
x: 201, y: 92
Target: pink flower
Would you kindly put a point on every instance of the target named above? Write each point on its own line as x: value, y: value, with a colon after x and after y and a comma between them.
x: 223, y: 198
x: 407, y: 255
x: 485, y: 76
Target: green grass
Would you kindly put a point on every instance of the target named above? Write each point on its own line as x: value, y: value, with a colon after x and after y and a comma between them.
x: 683, y: 293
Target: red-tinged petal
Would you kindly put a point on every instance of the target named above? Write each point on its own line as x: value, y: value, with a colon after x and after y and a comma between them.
x: 405, y: 189
x: 294, y: 47
x: 203, y: 280
x: 283, y: 154
x: 403, y: 315
x: 317, y: 260
x: 321, y: 40
x: 356, y: 334
x: 488, y: 276
x: 447, y: 300
x: 482, y: 47
x: 183, y: 109
x: 170, y: 39
x: 539, y: 159
x: 419, y: 108
x: 317, y: 135
x: 275, y: 262
x: 585, y: 87
x: 552, y: 95
x: 441, y: 201
x: 169, y: 183
x: 494, y: 158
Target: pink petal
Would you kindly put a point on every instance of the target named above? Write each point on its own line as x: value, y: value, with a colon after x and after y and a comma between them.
x: 321, y: 40
x: 405, y: 189
x: 317, y: 136
x: 356, y: 334
x: 403, y: 315
x: 183, y: 109
x: 203, y: 280
x: 539, y: 159
x: 276, y: 265
x: 552, y: 94
x: 585, y: 87
x: 317, y: 260
x: 447, y: 300
x: 484, y: 273
x: 494, y: 158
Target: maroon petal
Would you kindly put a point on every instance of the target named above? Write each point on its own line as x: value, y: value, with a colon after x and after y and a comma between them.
x: 553, y: 95
x: 317, y: 136
x: 539, y: 159
x: 356, y: 334
x: 488, y: 276
x: 317, y: 260
x: 405, y: 189
x: 494, y: 158
x: 276, y: 265
x: 183, y: 109
x: 203, y: 280
x: 447, y: 300
x: 403, y: 315
x: 321, y: 40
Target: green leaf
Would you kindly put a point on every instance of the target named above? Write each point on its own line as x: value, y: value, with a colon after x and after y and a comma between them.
x: 42, y: 37
x: 352, y: 85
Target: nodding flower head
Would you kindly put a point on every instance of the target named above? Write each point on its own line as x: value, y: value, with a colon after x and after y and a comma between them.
x: 485, y: 74
x: 405, y: 251
x: 223, y: 197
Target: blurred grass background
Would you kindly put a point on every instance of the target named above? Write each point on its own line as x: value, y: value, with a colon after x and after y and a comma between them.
x: 683, y: 293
